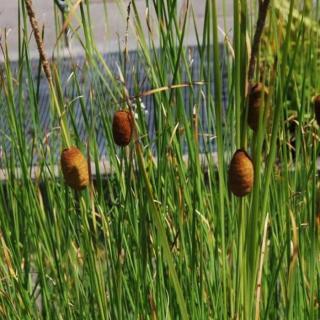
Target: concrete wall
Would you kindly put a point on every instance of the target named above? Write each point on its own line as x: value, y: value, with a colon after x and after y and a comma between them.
x: 108, y: 32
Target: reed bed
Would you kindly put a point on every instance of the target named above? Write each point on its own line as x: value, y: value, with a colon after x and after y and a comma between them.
x: 224, y: 235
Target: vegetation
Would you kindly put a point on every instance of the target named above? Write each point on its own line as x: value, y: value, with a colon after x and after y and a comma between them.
x: 161, y: 236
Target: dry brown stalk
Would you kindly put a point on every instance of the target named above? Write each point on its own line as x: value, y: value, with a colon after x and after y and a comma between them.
x: 39, y: 41
x: 259, y: 282
x: 262, y: 15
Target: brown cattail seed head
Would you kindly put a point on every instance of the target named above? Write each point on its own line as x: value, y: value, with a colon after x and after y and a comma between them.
x: 318, y: 221
x: 241, y: 174
x: 74, y: 168
x: 122, y: 127
x: 317, y: 108
x: 256, y: 104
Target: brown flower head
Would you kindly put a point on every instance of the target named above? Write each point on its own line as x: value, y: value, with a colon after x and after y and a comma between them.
x: 122, y: 127
x: 241, y: 174
x: 317, y: 108
x: 256, y: 104
x: 74, y: 168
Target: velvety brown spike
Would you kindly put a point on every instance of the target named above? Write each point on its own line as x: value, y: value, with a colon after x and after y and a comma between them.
x: 122, y: 127
x: 241, y: 173
x: 318, y: 220
x: 74, y: 168
x: 256, y: 104
x: 317, y: 108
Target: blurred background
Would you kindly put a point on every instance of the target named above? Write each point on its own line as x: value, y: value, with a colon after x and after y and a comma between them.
x: 108, y: 23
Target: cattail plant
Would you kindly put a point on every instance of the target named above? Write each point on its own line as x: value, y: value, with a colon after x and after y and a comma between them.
x: 74, y: 168
x: 122, y: 127
x: 256, y: 104
x: 317, y: 108
x: 241, y: 173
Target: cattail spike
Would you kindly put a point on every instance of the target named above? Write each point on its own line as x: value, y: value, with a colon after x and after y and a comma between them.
x: 122, y: 127
x: 74, y: 168
x: 256, y: 104
x: 241, y: 173
x: 317, y: 108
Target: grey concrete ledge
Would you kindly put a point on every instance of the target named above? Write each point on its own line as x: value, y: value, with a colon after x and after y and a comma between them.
x: 105, y: 169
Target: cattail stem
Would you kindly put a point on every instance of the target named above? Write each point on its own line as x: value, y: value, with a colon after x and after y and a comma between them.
x: 64, y: 131
x: 263, y: 9
x: 259, y: 281
x: 46, y: 68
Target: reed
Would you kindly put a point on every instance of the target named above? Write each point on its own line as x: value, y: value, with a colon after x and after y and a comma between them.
x: 160, y: 235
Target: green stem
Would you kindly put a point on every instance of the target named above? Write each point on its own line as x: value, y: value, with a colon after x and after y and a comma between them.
x: 218, y: 111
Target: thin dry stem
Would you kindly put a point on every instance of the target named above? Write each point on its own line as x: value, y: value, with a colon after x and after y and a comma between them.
x: 263, y: 10
x: 46, y: 67
x: 259, y: 282
x: 39, y: 41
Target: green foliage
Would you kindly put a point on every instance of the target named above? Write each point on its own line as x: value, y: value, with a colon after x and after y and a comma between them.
x: 161, y: 237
